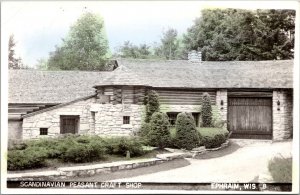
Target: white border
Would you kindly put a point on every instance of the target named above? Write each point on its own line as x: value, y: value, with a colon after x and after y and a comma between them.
x: 4, y: 107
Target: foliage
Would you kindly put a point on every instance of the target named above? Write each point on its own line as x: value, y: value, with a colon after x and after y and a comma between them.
x: 87, y: 152
x: 13, y: 61
x: 159, y: 134
x: 42, y: 64
x: 213, y: 142
x: 128, y: 50
x: 152, y: 104
x: 211, y: 132
x: 32, y: 157
x: 206, y: 111
x: 233, y: 34
x: 186, y: 136
x: 120, y: 146
x: 85, y: 47
x: 169, y: 43
x: 281, y: 169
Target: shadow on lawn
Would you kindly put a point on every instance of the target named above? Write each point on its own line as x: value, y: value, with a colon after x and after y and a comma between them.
x: 232, y: 147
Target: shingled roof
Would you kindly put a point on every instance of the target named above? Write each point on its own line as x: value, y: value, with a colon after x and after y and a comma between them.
x: 185, y: 74
x: 51, y: 87
x: 54, y: 87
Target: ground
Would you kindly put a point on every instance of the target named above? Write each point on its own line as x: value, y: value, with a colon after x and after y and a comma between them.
x: 242, y: 161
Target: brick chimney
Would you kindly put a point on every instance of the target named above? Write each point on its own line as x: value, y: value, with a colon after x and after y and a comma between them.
x: 194, y: 56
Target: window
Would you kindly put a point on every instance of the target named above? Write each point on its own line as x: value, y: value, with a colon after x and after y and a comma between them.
x: 196, y: 116
x: 172, y: 117
x: 126, y: 119
x: 69, y: 124
x: 43, y: 131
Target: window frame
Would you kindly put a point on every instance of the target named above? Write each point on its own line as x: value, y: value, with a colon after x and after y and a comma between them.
x: 126, y: 120
x: 172, y: 118
x: 65, y: 117
x: 42, y: 130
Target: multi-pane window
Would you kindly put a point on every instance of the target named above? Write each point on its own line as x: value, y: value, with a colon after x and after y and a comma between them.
x: 69, y: 124
x: 172, y: 117
x: 126, y: 119
x: 43, y: 131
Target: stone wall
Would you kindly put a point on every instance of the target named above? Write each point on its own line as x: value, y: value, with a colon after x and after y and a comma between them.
x: 100, y: 119
x: 222, y: 97
x: 109, y: 119
x: 14, y: 130
x: 51, y: 119
x: 282, y: 114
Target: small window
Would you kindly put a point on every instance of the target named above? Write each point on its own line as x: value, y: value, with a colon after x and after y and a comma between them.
x: 196, y: 116
x: 172, y: 117
x: 43, y: 131
x: 126, y: 119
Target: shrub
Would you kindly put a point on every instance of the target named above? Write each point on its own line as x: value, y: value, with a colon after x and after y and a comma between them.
x: 281, y: 169
x: 80, y: 152
x: 214, y: 141
x: 186, y: 135
x: 159, y: 134
x: 32, y: 157
x: 120, y: 146
x: 144, y: 130
x: 206, y: 111
x: 17, y: 146
x: 152, y: 105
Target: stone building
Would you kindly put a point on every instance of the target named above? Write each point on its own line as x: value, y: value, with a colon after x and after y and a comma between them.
x: 254, y: 98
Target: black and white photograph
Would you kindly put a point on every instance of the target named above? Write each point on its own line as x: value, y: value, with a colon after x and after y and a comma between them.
x: 135, y: 97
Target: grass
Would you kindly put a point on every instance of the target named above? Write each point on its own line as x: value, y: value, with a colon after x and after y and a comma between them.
x: 281, y: 169
x: 204, y: 131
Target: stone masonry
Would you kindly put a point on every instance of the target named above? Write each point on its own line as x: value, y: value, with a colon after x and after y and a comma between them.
x: 282, y: 114
x: 100, y: 119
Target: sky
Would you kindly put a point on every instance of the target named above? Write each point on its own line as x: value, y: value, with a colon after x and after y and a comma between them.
x: 38, y: 26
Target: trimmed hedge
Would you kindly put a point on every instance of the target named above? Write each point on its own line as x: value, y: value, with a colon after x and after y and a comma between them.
x: 186, y: 136
x: 159, y: 134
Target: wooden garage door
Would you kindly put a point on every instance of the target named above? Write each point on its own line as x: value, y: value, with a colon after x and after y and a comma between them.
x: 250, y: 117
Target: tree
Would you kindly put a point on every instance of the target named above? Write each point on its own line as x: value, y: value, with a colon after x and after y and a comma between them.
x: 84, y: 48
x: 128, y: 50
x: 13, y: 61
x: 170, y: 44
x: 206, y: 111
x: 187, y: 136
x: 232, y: 34
x: 159, y: 134
x: 42, y: 64
x: 152, y: 104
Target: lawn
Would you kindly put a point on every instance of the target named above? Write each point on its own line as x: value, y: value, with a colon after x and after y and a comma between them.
x: 204, y: 131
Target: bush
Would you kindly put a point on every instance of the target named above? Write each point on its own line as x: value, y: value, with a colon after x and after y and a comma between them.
x: 33, y: 157
x: 120, y: 146
x: 206, y: 111
x: 159, y: 134
x: 152, y: 105
x: 144, y: 130
x: 80, y: 152
x: 186, y: 135
x: 281, y: 169
x: 214, y: 141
